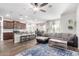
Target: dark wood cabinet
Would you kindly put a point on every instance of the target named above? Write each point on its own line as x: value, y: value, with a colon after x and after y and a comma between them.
x: 8, y: 35
x: 14, y: 24
x: 23, y: 26
x: 19, y: 25
x: 8, y: 24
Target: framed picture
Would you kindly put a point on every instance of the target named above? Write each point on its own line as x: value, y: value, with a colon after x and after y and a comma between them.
x: 71, y: 24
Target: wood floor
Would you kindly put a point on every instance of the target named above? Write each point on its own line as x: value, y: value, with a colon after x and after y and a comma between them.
x: 8, y: 48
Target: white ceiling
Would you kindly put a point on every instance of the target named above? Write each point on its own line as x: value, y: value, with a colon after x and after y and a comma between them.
x: 20, y: 10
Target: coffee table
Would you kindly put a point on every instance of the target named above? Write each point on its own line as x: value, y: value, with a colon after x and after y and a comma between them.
x: 57, y: 43
x: 41, y: 39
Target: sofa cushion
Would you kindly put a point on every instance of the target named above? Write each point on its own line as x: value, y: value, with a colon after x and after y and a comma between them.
x: 71, y: 37
x: 65, y: 36
x: 52, y: 35
x: 58, y: 35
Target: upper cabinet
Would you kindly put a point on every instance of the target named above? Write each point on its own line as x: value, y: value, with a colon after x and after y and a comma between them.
x: 14, y: 25
x: 19, y: 25
x: 8, y: 24
x: 23, y: 26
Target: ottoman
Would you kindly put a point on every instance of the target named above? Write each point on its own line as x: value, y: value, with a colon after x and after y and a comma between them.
x: 41, y: 39
x: 57, y: 43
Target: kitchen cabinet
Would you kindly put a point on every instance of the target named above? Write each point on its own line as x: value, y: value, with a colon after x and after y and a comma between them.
x: 14, y: 24
x: 19, y: 25
x: 8, y: 24
x: 23, y: 26
x: 8, y: 35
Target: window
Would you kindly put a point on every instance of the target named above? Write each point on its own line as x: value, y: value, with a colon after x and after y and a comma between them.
x: 57, y: 26
x: 54, y: 26
x: 31, y: 27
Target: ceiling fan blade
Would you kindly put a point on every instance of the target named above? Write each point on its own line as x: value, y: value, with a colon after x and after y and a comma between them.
x: 31, y: 3
x: 36, y: 4
x: 42, y: 10
x: 44, y: 4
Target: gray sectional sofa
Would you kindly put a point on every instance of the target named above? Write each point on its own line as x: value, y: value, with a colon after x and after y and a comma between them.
x: 72, y: 39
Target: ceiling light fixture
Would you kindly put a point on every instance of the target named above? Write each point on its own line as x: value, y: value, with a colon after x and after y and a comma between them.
x: 36, y: 8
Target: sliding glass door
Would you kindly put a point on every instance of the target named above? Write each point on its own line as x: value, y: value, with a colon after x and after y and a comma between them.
x: 53, y: 26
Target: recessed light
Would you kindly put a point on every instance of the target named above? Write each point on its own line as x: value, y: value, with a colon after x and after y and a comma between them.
x: 21, y: 18
x: 7, y: 15
x: 26, y: 16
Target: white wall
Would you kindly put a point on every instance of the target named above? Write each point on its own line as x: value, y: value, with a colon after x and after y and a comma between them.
x: 7, y: 30
x: 64, y: 22
x: 77, y: 19
x: 1, y: 28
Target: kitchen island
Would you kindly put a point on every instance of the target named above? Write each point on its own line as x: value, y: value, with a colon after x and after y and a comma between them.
x: 21, y: 37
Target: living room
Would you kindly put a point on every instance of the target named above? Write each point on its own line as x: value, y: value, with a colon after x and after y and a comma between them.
x: 39, y: 29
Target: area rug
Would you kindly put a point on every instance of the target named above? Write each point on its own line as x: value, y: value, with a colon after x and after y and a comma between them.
x: 45, y: 50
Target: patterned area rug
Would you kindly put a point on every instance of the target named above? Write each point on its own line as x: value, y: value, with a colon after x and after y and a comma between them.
x: 45, y: 50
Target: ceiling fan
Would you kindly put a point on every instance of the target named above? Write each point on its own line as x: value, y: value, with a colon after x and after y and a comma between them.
x: 39, y: 7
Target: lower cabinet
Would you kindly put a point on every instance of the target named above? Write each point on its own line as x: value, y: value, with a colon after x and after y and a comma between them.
x: 8, y: 35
